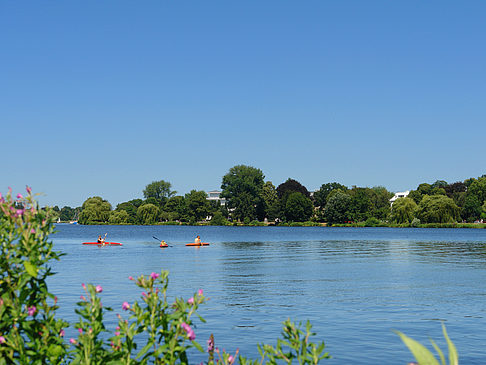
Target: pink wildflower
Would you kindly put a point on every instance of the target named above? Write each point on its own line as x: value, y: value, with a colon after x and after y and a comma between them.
x: 31, y: 310
x: 154, y: 275
x: 28, y: 189
x: 19, y: 212
x: 200, y: 292
x: 210, y: 345
x: 80, y: 330
x: 99, y: 289
x: 117, y: 333
x: 82, y: 298
x: 190, y: 300
x: 2, y: 340
x: 19, y: 196
x: 32, y: 231
x: 230, y: 359
x: 125, y: 306
x: 72, y: 340
x: 144, y: 294
x: 62, y: 333
x: 130, y: 278
x: 84, y: 286
x: 190, y: 333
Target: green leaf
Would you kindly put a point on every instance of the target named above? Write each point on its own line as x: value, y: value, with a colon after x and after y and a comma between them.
x: 439, y: 351
x: 144, y: 350
x: 55, y: 351
x: 420, y: 352
x: 198, y: 346
x: 453, y: 355
x: 30, y: 268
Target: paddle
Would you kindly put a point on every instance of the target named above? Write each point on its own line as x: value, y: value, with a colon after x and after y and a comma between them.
x: 158, y: 239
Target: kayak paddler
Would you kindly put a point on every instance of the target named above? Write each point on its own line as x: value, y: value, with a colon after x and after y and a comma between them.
x: 163, y: 244
x: 101, y: 240
x: 197, y: 240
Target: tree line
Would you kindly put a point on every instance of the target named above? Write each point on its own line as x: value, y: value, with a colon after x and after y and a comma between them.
x: 250, y: 199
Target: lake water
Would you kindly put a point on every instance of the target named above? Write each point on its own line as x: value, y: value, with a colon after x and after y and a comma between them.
x: 355, y: 285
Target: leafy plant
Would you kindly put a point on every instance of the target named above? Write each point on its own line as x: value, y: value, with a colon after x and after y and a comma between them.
x: 424, y: 356
x: 295, y: 345
x: 29, y: 331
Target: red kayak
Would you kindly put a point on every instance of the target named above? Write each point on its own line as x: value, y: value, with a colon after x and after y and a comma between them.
x: 197, y: 244
x: 101, y: 244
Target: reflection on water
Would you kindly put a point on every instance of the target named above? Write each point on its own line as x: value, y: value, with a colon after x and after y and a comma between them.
x: 354, y: 284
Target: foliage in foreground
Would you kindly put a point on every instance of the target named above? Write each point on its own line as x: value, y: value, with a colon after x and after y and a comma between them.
x: 425, y: 357
x: 156, y: 331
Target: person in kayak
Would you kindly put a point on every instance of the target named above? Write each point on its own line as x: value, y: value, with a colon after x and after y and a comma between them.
x: 198, y: 240
x: 163, y: 244
x: 101, y: 240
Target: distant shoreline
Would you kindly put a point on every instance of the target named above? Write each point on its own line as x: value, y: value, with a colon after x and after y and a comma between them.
x: 305, y: 224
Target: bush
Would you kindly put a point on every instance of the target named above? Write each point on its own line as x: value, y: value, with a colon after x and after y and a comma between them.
x: 256, y: 223
x: 415, y: 223
x: 372, y: 222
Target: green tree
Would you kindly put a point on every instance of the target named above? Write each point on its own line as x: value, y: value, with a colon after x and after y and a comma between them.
x: 94, y: 210
x: 337, y: 207
x: 440, y: 184
x: 197, y: 206
x: 68, y: 213
x: 242, y: 187
x: 270, y: 197
x: 175, y: 207
x: 361, y: 205
x: 380, y: 201
x: 218, y: 219
x: 403, y: 210
x: 159, y: 190
x: 483, y: 210
x: 298, y: 207
x: 136, y: 202
x: 119, y: 217
x: 472, y: 208
x: 147, y: 214
x: 478, y: 188
x: 288, y: 187
x: 437, y: 209
x: 422, y: 189
x: 130, y: 209
x: 468, y: 182
x: 321, y: 195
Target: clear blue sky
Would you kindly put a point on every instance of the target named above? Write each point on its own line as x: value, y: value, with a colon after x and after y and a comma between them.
x: 104, y: 97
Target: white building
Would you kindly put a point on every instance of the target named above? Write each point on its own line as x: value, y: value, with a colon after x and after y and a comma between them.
x: 215, y: 195
x: 402, y: 194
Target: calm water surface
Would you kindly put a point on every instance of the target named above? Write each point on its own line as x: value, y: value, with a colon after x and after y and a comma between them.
x: 355, y: 285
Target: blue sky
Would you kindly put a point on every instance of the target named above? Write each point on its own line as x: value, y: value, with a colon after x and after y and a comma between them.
x: 102, y: 98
